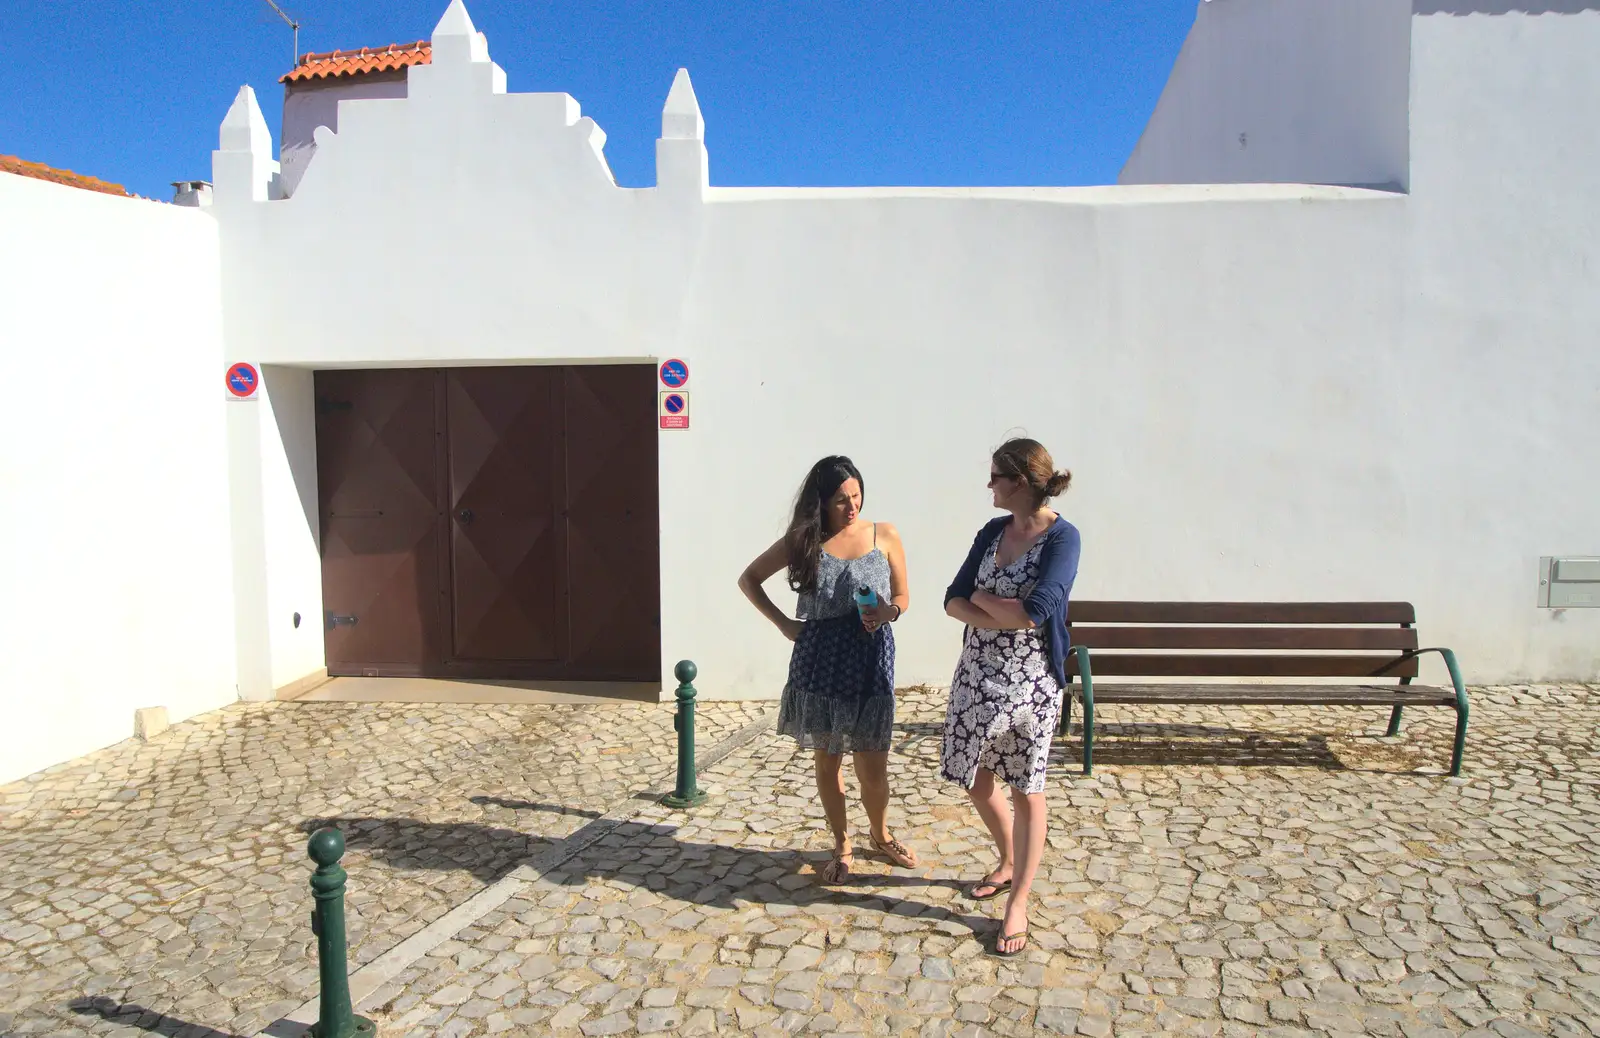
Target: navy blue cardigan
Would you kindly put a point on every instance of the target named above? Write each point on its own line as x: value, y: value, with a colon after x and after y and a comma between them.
x: 1046, y: 604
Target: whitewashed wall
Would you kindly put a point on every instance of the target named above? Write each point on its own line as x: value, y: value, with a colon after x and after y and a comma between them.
x: 115, y: 588
x: 309, y: 105
x: 1266, y: 391
x: 1281, y: 91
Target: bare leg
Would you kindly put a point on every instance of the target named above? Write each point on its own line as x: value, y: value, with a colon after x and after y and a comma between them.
x: 1032, y: 818
x: 872, y: 771
x: 989, y: 798
x: 830, y: 788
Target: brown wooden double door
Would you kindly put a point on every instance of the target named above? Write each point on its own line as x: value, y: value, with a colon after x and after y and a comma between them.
x: 490, y: 522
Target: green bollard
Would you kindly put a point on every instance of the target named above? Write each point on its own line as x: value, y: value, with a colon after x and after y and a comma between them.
x: 336, y: 1017
x: 688, y: 793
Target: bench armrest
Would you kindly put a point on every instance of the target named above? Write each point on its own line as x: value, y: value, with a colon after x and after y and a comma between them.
x: 1461, y: 705
x: 1450, y: 665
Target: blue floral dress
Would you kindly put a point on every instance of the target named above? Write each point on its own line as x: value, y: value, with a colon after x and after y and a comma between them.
x: 840, y: 693
x: 1005, y: 702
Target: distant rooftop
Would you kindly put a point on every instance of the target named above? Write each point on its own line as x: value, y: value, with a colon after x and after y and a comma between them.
x: 39, y: 171
x: 351, y: 63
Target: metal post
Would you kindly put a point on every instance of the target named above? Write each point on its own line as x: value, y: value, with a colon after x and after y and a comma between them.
x: 336, y: 1017
x: 687, y: 793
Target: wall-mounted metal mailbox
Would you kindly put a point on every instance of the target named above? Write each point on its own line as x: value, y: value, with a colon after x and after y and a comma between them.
x: 1569, y: 582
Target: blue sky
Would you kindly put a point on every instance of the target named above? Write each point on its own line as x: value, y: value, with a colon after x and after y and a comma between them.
x: 806, y: 94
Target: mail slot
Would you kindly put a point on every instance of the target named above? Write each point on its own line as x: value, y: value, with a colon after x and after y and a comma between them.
x: 1569, y: 582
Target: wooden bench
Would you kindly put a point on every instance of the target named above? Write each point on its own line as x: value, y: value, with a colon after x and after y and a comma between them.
x: 1370, y: 640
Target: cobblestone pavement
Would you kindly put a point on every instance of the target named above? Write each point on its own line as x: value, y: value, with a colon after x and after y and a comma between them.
x: 148, y: 886
x: 1224, y: 872
x: 1204, y: 881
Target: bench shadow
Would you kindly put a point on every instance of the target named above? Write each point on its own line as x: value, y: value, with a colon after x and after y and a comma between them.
x: 131, y: 1014
x: 651, y: 857
x: 1154, y: 744
x: 1234, y: 749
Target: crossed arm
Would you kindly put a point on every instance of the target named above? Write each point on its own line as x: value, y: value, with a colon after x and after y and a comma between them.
x: 989, y: 612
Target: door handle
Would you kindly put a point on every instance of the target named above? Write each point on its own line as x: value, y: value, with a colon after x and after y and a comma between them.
x: 465, y: 516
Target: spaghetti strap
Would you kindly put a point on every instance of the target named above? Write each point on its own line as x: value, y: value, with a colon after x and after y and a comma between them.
x: 874, y: 535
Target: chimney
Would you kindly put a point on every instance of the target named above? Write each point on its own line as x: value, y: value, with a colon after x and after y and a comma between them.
x: 194, y: 193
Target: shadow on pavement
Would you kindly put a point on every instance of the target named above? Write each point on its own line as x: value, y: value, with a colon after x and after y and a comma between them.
x: 1154, y: 743
x: 129, y: 1014
x: 528, y: 805
x: 650, y: 857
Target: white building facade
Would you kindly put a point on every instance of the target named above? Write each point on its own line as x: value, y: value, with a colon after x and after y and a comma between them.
x: 1333, y: 337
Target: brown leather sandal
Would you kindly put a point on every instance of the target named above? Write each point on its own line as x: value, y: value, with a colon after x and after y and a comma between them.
x: 837, y: 870
x: 896, y: 852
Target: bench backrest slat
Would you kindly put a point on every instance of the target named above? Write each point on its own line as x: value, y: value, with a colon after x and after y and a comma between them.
x: 1278, y: 637
x: 1304, y: 613
x: 1369, y: 640
x: 1217, y: 665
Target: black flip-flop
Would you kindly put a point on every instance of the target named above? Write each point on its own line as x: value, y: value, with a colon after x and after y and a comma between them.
x: 994, y: 949
x: 999, y: 888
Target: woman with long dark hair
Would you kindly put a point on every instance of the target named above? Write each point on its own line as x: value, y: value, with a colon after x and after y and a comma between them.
x: 1005, y: 700
x: 840, y: 695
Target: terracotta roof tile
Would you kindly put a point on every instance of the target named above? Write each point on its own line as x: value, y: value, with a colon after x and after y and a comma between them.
x: 39, y: 171
x: 337, y: 63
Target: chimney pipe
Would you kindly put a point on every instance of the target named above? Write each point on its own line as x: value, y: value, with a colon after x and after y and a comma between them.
x: 194, y: 193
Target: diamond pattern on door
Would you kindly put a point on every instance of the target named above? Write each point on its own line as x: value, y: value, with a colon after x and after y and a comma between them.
x: 376, y: 482
x: 612, y: 519
x: 504, y: 432
x: 493, y: 523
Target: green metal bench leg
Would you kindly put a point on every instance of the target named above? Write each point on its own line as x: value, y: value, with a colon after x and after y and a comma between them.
x: 1065, y: 727
x: 1394, y: 722
x: 1461, y: 711
x: 1088, y: 709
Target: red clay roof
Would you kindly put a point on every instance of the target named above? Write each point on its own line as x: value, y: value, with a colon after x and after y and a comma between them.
x: 337, y: 63
x: 39, y: 171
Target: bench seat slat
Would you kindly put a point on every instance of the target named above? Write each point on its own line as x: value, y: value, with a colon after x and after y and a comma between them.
x: 1282, y: 637
x: 1276, y: 695
x: 1098, y: 612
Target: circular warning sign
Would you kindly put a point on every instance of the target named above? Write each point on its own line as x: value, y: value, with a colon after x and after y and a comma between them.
x: 243, y: 380
x: 674, y: 374
x: 674, y: 403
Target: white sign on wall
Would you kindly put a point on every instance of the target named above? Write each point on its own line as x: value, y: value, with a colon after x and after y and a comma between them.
x: 674, y: 410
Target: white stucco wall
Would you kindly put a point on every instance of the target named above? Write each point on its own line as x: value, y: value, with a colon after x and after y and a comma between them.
x: 117, y: 589
x: 1504, y: 251
x: 307, y: 106
x: 1283, y: 91
x: 1266, y: 391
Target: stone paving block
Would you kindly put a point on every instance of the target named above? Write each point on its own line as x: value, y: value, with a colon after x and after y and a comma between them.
x: 1302, y: 875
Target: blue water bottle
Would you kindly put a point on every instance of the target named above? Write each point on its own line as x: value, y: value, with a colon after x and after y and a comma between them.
x: 865, y: 598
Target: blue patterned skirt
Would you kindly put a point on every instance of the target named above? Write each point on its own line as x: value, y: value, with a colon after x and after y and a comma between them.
x: 840, y: 695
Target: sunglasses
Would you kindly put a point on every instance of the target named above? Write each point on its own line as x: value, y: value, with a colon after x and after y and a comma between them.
x: 995, y: 476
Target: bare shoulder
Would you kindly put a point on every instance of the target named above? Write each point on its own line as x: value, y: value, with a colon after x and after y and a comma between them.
x: 888, y: 533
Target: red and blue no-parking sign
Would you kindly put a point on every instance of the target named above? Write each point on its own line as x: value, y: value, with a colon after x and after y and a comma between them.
x: 674, y: 412
x: 244, y: 381
x: 674, y: 374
